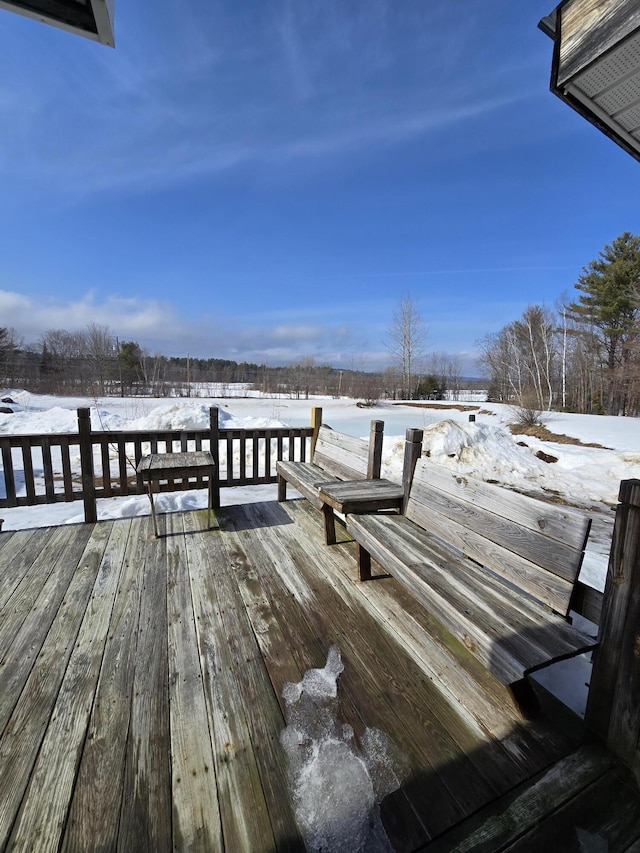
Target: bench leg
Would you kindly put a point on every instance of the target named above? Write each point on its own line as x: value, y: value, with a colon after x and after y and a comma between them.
x: 153, y: 510
x: 525, y: 698
x: 282, y: 489
x: 364, y: 563
x: 329, y: 525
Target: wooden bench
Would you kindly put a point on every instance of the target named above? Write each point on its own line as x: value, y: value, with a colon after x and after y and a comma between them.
x: 335, y: 457
x: 496, y: 568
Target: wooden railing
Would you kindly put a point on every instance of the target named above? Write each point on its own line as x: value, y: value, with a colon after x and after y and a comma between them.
x: 87, y: 465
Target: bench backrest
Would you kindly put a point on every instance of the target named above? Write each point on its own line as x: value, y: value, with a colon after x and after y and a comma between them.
x: 534, y: 546
x: 349, y: 458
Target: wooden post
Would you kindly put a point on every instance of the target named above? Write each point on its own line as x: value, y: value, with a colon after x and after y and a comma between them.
x: 376, y: 435
x: 214, y: 447
x: 86, y: 466
x: 316, y: 423
x: 613, y: 704
x: 412, y: 452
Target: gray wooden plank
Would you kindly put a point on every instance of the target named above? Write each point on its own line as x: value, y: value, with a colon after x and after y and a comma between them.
x: 484, y: 701
x: 278, y: 601
x: 563, y: 524
x: 470, y: 687
x: 94, y: 811
x: 342, y: 455
x: 5, y: 538
x: 589, y: 30
x: 24, y: 549
x: 31, y: 610
x: 145, y: 821
x: 25, y: 729
x: 44, y: 807
x: 196, y: 817
x: 512, y: 552
x: 606, y: 814
x: 258, y: 807
x: 510, y: 818
x: 243, y: 807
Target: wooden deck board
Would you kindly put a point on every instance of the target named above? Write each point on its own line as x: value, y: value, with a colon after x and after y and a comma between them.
x: 141, y: 686
x: 196, y: 814
x: 99, y: 777
x: 145, y: 815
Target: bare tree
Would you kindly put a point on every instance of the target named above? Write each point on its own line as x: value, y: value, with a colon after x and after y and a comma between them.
x: 406, y: 342
x: 101, y: 352
x: 10, y: 343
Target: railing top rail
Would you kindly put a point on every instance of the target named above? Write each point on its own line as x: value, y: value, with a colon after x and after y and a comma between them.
x: 131, y: 435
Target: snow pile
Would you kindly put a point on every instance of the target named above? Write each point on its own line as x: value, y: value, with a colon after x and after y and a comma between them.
x: 336, y: 785
x: 183, y: 416
x: 489, y: 452
x: 39, y: 423
x: 57, y: 420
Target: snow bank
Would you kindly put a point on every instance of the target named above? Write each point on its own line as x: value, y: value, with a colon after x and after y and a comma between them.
x: 580, y: 475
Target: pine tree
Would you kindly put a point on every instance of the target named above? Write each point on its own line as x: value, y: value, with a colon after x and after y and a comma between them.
x: 609, y: 307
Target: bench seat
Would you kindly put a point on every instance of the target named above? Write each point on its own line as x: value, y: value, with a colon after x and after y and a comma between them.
x: 511, y: 634
x: 498, y: 569
x: 336, y: 457
x: 306, y: 478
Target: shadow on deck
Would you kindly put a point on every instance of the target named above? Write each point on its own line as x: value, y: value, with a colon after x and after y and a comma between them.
x: 141, y: 703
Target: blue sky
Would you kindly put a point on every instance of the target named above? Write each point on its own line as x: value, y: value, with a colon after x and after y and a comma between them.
x: 267, y: 180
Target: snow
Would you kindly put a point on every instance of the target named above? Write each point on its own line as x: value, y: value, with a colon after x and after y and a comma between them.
x: 585, y: 477
x: 336, y: 784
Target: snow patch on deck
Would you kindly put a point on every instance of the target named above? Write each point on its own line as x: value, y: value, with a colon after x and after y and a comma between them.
x: 336, y: 783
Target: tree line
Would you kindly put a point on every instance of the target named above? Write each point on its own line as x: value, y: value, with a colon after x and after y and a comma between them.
x: 95, y: 362
x: 584, y: 354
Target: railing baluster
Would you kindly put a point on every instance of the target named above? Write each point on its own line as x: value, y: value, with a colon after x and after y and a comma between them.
x: 27, y: 467
x: 130, y: 446
x: 242, y: 474
x: 106, y: 470
x: 9, y: 476
x: 47, y: 467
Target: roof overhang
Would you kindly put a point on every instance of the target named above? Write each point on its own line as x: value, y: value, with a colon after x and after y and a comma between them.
x: 90, y: 18
x: 596, y: 64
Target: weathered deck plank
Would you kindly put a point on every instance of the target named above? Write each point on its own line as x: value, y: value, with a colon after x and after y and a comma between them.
x: 141, y: 698
x: 44, y: 808
x: 196, y: 814
x: 100, y: 772
x: 243, y: 808
x: 16, y: 560
x: 27, y: 616
x: 247, y: 695
x: 145, y: 817
x: 21, y: 753
x: 30, y: 716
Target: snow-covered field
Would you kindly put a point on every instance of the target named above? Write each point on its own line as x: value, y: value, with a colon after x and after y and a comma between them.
x: 585, y: 477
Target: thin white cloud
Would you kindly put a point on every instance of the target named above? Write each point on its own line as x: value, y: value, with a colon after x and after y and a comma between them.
x: 161, y: 328
x: 194, y: 97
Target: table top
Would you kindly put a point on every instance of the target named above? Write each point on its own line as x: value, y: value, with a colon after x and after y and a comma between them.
x: 173, y: 463
x: 361, y: 495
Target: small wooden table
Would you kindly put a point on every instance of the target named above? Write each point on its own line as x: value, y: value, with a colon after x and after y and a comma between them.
x: 177, y: 466
x: 357, y: 497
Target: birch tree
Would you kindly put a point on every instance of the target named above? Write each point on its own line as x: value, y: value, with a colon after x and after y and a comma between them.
x: 406, y: 343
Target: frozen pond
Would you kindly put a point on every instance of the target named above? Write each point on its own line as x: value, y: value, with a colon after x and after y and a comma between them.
x: 396, y: 419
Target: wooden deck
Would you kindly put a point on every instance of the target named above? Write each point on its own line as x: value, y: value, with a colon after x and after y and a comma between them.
x: 141, y: 698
